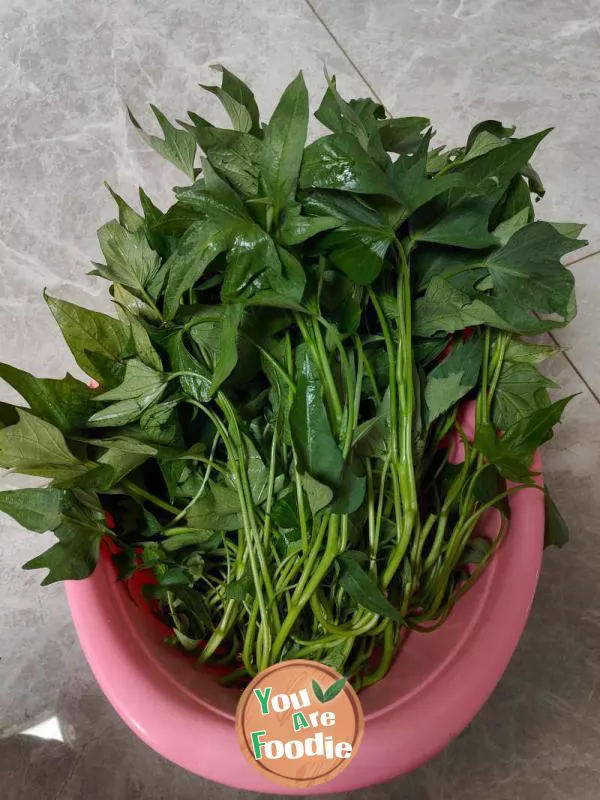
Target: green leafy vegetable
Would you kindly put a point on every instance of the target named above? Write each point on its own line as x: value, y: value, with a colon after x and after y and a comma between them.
x: 301, y: 339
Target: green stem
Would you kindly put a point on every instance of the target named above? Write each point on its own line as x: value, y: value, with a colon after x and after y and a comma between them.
x: 298, y: 602
x: 319, y: 355
x: 133, y: 488
x: 203, y: 485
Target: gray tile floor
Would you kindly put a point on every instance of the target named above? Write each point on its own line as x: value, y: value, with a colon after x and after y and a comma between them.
x: 67, y: 68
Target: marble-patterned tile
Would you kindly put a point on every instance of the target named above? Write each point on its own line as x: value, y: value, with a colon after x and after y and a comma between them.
x: 67, y: 70
x: 461, y: 61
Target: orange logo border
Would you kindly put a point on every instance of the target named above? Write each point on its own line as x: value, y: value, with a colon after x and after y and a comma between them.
x: 312, y: 669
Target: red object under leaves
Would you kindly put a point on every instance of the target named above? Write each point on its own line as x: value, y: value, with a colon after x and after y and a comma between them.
x: 110, y: 546
x: 465, y: 336
x: 135, y: 589
x: 445, y: 353
x: 109, y: 519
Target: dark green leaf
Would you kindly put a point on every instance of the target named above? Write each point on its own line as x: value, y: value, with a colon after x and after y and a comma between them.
x: 483, y: 143
x: 35, y: 509
x: 449, y: 381
x: 288, y: 541
x: 128, y: 218
x: 218, y: 509
x: 522, y: 352
x: 200, y: 245
x: 143, y: 346
x: 571, y: 229
x: 297, y: 228
x: 556, y: 531
x: 238, y: 113
x: 286, y: 276
x: 123, y: 443
x: 318, y: 495
x: 121, y: 463
x: 520, y: 390
x: 98, y: 342
x: 359, y: 118
x: 237, y: 89
x: 129, y: 259
x: 316, y: 449
x: 359, y: 245
x: 499, y: 165
x: 35, y: 447
x: 339, y: 162
x: 532, y: 431
x: 252, y: 252
x: 66, y: 403
x: 128, y: 305
x: 402, y: 134
x: 8, y: 415
x: 283, y: 145
x: 506, y: 229
x: 464, y: 225
x: 196, y: 539
x: 239, y: 589
x: 512, y: 454
x: 141, y: 387
x: 363, y: 590
x: 349, y: 495
x: 196, y: 383
x: 178, y: 147
x: 487, y: 487
x: 372, y: 437
x: 228, y: 345
x: 446, y: 309
x: 173, y: 576
x: 491, y: 126
x: 159, y: 422
x: 285, y: 511
x: 74, y: 556
x: 234, y: 155
x: 257, y: 472
x: 414, y: 187
x: 139, y: 382
x: 527, y: 271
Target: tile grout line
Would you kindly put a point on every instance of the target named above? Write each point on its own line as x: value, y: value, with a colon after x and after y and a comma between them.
x: 564, y: 353
x: 344, y: 51
x: 582, y: 258
x: 377, y: 97
x: 575, y: 368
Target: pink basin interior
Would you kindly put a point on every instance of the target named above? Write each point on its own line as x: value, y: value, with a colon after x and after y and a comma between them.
x: 437, y: 684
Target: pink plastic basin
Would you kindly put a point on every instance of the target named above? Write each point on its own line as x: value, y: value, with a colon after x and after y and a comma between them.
x: 438, y: 682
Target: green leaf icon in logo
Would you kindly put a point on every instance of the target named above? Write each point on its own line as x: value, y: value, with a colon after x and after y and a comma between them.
x: 329, y: 694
